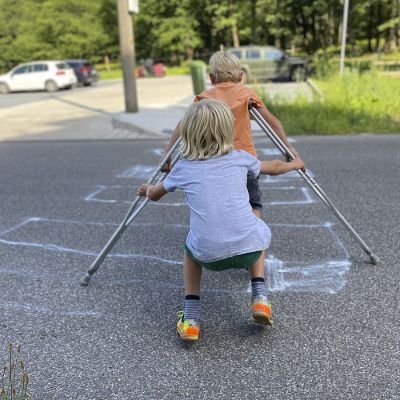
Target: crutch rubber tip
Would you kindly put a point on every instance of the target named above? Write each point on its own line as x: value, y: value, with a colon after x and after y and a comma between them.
x: 85, y: 280
x: 374, y: 259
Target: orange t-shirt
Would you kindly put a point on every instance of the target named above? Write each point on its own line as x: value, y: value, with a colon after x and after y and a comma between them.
x: 237, y: 97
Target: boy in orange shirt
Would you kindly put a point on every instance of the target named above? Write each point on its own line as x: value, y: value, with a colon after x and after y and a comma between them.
x: 226, y: 75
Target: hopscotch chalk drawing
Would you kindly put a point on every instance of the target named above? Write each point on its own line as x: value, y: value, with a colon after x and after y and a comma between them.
x: 295, y: 276
x: 125, y: 194
x: 324, y: 274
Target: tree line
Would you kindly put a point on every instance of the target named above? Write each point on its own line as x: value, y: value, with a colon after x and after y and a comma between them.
x: 174, y: 30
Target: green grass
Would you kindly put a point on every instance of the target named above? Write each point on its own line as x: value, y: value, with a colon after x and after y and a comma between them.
x: 115, y: 71
x: 180, y: 70
x: 356, y: 103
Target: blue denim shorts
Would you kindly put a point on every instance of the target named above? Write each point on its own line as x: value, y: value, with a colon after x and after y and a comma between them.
x: 254, y: 191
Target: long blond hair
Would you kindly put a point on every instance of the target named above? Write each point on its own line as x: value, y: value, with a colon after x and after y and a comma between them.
x: 206, y: 130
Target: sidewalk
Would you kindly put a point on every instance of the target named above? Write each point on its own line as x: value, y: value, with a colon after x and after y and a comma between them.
x: 162, y: 120
x: 94, y: 113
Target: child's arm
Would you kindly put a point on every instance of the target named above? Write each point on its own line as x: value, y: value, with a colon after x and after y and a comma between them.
x: 153, y: 192
x: 278, y: 167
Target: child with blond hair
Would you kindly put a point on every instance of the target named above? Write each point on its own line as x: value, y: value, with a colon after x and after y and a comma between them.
x: 223, y: 233
x: 226, y: 76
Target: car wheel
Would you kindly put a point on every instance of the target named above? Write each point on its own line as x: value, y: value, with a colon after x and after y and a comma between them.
x: 4, y: 89
x: 297, y: 74
x: 51, y: 86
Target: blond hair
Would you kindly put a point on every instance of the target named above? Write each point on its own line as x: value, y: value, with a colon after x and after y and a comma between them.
x: 225, y: 67
x: 206, y: 130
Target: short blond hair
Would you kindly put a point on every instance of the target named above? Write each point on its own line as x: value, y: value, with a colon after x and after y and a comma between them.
x: 206, y: 130
x: 225, y: 67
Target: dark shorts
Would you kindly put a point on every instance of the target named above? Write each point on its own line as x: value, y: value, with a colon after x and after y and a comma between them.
x: 254, y: 191
x: 240, y: 261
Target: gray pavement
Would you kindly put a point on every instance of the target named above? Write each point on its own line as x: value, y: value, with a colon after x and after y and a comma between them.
x: 336, y: 316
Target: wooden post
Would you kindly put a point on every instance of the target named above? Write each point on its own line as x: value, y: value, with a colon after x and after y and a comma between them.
x: 127, y: 51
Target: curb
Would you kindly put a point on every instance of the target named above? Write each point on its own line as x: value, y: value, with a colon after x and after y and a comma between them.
x: 119, y: 121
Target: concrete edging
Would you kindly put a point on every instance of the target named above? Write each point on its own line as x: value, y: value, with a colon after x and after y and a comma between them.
x: 119, y: 122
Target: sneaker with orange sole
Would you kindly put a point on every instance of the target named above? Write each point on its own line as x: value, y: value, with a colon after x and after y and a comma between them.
x: 188, y: 329
x: 261, y: 311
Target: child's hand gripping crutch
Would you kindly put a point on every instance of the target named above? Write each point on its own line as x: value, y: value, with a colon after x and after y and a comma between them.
x: 130, y: 215
x: 309, y: 180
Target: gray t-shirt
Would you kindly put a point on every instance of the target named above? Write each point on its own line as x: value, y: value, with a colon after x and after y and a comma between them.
x: 222, y: 223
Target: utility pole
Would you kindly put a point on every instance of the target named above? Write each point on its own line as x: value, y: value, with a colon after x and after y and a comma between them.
x: 344, y: 34
x: 127, y: 51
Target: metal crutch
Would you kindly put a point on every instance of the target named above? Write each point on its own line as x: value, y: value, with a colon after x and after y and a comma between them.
x: 310, y: 181
x: 130, y: 216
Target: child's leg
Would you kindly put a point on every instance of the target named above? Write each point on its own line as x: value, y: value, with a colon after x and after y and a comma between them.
x: 192, y: 276
x: 257, y: 272
x: 254, y: 194
x: 260, y: 307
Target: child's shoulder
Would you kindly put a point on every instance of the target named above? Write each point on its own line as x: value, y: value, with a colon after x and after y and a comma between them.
x: 243, y: 155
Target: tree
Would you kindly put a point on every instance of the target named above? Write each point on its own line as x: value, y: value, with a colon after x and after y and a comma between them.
x: 49, y: 29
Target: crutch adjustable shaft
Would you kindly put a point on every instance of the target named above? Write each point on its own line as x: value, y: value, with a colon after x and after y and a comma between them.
x: 310, y: 181
x: 129, y: 217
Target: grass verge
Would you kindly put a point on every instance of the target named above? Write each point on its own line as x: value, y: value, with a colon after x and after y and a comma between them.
x: 355, y: 103
x: 115, y: 71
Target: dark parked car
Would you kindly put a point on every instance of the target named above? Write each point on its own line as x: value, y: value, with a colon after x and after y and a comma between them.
x: 261, y: 63
x: 85, y: 72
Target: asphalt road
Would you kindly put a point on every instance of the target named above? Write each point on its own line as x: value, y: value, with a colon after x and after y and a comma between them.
x: 336, y: 332
x: 19, y: 98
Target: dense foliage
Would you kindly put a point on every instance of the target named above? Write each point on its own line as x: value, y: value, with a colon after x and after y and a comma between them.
x: 172, y: 30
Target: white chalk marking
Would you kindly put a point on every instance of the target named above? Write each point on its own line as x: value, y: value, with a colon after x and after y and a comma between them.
x: 158, y: 152
x: 100, y: 189
x: 269, y: 152
x: 76, y: 222
x: 288, y: 177
x: 326, y: 277
x: 103, y: 188
x: 138, y: 171
x: 96, y: 197
x: 292, y: 276
x: 306, y: 200
x: 56, y: 248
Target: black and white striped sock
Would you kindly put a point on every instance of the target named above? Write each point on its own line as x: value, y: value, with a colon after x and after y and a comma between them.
x: 192, y: 307
x: 258, y: 288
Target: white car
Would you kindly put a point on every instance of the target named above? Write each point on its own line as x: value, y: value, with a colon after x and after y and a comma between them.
x: 38, y: 75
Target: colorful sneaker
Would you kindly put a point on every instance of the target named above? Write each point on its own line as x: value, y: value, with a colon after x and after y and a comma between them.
x: 187, y: 329
x: 261, y: 310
